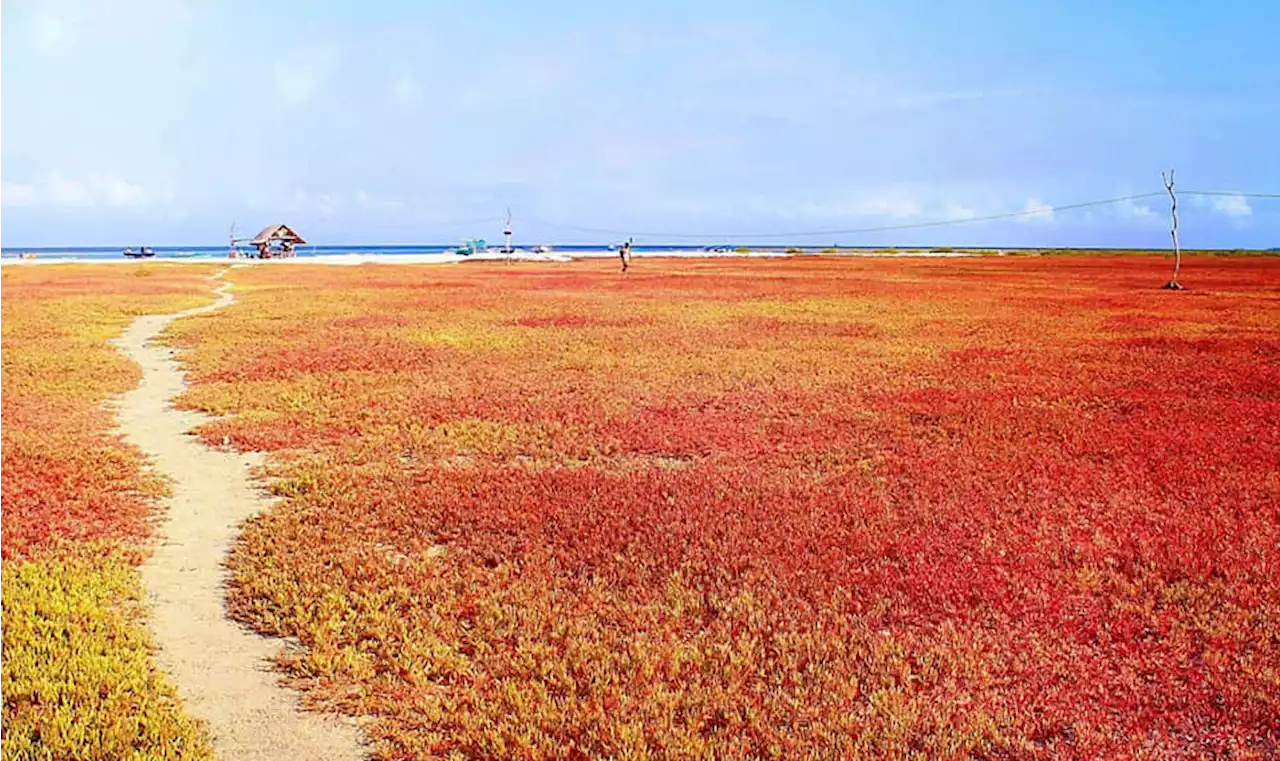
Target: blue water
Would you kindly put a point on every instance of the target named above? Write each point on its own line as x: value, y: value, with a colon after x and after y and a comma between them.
x: 207, y: 252
x: 220, y: 252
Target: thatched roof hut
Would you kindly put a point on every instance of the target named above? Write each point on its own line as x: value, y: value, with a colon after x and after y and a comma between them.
x: 276, y: 240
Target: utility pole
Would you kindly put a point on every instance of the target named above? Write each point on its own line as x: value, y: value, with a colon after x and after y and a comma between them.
x: 1173, y: 284
x: 506, y: 233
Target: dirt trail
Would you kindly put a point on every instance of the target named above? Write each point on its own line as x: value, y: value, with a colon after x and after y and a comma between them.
x: 221, y: 669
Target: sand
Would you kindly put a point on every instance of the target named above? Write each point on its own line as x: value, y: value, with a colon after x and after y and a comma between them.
x: 354, y: 259
x: 221, y: 669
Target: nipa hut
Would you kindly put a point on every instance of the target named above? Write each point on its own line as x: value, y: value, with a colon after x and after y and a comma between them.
x: 276, y: 241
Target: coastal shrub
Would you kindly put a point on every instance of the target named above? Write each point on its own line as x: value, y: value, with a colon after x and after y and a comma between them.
x: 804, y: 508
x: 78, y: 680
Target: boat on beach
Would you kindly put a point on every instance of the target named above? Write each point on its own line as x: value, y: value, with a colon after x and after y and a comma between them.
x: 142, y: 253
x: 478, y: 248
x: 471, y: 247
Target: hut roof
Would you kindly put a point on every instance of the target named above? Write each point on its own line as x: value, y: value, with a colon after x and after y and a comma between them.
x: 277, y: 232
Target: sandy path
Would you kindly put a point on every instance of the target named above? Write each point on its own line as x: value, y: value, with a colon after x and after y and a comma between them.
x: 220, y: 668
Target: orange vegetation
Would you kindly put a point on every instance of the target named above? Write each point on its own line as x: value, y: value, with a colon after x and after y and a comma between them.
x: 77, y: 672
x: 809, y: 508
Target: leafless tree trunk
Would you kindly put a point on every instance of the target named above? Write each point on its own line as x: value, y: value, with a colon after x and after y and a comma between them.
x: 1173, y: 283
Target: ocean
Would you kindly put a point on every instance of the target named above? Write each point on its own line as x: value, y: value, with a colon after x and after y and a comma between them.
x: 220, y: 252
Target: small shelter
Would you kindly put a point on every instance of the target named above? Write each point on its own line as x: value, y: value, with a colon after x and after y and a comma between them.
x: 276, y: 241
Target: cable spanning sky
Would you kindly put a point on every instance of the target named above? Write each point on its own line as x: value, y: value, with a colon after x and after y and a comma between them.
x: 151, y: 122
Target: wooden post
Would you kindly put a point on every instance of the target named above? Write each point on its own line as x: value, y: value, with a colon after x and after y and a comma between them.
x: 233, y: 251
x: 1173, y: 284
x: 506, y: 234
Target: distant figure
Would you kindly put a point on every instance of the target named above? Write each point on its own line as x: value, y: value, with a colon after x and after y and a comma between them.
x: 624, y: 253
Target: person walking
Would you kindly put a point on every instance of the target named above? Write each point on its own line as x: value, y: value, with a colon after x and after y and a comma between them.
x: 624, y: 253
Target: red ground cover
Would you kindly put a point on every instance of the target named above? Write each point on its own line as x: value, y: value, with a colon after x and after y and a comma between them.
x: 66, y: 478
x: 78, y: 677
x: 810, y: 508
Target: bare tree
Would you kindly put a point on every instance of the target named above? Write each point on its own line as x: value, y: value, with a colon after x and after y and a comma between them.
x: 1173, y: 283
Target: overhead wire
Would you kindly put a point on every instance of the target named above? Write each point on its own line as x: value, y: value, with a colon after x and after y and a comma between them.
x: 1023, y: 212
x: 1046, y: 209
x: 1228, y: 193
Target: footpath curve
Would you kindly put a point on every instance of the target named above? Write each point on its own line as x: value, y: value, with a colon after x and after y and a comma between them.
x: 222, y: 670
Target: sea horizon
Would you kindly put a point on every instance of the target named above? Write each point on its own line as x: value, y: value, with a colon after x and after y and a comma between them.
x: 407, y: 249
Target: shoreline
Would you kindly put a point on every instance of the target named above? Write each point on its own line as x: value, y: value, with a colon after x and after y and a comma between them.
x: 354, y: 259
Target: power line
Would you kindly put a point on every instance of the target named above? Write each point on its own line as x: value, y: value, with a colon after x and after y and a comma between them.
x: 874, y: 229
x: 1228, y: 193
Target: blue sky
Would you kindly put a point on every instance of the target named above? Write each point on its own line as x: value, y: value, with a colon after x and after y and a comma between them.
x: 162, y: 122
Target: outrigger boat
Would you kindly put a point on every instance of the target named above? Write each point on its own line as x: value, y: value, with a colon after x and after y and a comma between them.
x: 471, y: 248
x: 142, y: 253
x: 478, y: 248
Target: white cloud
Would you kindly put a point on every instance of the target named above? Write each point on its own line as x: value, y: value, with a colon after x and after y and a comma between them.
x: 1130, y: 210
x: 118, y: 192
x: 367, y: 201
x: 730, y: 31
x: 406, y: 91
x: 1037, y: 210
x: 327, y: 202
x: 892, y: 205
x: 896, y: 205
x: 1232, y: 206
x: 929, y: 99
x: 62, y: 191
x: 892, y: 202
x: 933, y: 99
x: 68, y: 27
x: 51, y: 33
x: 957, y: 211
x: 94, y: 189
x: 296, y: 84
x: 515, y: 83
x: 17, y: 194
x: 300, y: 75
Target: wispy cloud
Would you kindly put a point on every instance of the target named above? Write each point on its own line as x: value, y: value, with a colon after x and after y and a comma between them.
x: 18, y: 194
x: 1036, y: 210
x: 94, y: 189
x: 51, y: 33
x: 928, y: 99
x: 301, y: 74
x: 953, y: 210
x: 886, y: 204
x: 889, y: 203
x: 1232, y: 206
x: 369, y: 202
x: 406, y: 90
x: 65, y: 27
x: 945, y: 97
x: 1127, y: 209
x: 62, y: 191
